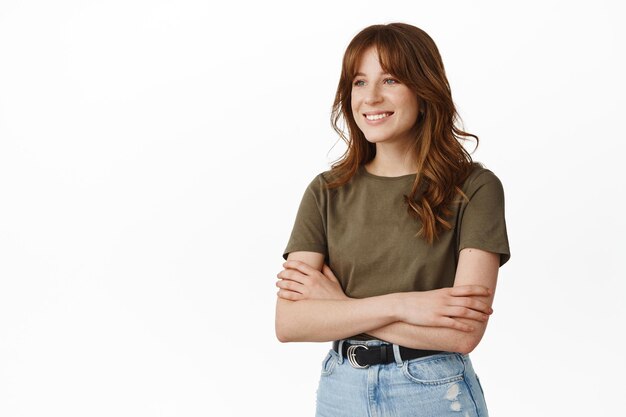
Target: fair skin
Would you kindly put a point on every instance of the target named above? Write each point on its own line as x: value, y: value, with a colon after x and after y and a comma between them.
x: 376, y: 93
x: 311, y: 305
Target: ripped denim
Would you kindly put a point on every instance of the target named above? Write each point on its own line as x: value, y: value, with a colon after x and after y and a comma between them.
x: 439, y: 385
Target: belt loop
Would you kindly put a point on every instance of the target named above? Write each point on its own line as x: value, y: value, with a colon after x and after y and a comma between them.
x: 396, y: 354
x: 383, y: 353
x: 340, y: 352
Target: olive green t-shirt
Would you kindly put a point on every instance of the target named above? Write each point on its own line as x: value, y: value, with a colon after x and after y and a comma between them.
x: 368, y: 237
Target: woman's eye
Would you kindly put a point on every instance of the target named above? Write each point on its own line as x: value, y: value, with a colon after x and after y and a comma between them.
x: 390, y: 81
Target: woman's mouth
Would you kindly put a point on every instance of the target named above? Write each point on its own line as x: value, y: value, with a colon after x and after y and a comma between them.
x: 377, y: 116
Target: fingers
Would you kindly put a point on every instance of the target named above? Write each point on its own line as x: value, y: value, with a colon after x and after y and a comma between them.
x: 471, y: 303
x: 464, y: 296
x: 287, y: 284
x: 300, y: 266
x: 292, y: 275
x: 456, y: 324
x: 306, y: 269
x: 467, y: 313
x: 470, y: 290
x: 289, y: 295
x: 290, y: 284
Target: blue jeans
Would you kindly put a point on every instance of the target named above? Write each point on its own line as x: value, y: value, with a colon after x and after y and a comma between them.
x: 433, y: 386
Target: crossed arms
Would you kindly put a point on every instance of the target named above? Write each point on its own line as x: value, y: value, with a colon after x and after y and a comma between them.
x: 312, y: 307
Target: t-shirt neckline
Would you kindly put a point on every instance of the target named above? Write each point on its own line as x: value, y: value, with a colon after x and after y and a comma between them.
x: 368, y: 174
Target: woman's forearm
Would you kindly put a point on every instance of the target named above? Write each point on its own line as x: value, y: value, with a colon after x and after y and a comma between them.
x: 326, y: 320
x: 311, y: 307
x: 431, y: 338
x: 475, y: 267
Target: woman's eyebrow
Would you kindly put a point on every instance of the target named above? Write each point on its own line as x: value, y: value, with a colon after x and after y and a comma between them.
x: 360, y: 74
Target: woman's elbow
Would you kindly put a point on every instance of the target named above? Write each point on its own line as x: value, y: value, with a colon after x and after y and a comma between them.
x: 281, y: 337
x: 283, y: 327
x: 468, y: 343
x: 287, y: 331
x: 282, y: 333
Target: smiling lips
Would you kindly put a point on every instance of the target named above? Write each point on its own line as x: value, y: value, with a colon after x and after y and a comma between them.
x: 377, y: 115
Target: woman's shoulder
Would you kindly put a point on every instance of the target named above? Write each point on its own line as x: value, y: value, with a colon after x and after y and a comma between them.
x: 318, y: 184
x: 479, y: 176
x: 322, y: 179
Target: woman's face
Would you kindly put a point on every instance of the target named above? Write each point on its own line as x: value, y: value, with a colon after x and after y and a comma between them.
x: 384, y: 109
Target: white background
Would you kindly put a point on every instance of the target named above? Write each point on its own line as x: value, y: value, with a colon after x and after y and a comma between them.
x: 153, y: 155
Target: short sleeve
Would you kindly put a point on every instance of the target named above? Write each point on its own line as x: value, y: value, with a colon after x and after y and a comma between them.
x: 482, y: 222
x: 309, y: 229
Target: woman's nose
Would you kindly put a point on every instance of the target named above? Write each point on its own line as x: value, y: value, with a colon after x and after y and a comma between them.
x: 373, y: 95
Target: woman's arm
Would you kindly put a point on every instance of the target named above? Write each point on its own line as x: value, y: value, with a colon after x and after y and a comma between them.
x: 326, y: 320
x: 322, y: 320
x: 313, y: 307
x: 475, y: 267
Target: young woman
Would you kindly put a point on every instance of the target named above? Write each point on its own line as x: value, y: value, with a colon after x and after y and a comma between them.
x: 395, y: 250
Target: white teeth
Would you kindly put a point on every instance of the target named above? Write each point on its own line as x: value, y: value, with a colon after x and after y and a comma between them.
x: 377, y: 116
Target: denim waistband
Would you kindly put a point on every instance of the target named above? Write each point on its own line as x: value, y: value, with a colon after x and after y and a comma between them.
x: 376, y: 342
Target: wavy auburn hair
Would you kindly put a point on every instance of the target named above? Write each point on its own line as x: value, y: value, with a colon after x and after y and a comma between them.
x: 443, y: 164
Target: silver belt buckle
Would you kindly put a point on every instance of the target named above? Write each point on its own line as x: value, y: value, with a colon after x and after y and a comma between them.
x: 352, y: 356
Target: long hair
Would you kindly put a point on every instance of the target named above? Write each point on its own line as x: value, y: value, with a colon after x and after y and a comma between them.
x: 443, y: 164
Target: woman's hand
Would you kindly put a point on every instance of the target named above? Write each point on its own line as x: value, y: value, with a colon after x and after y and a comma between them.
x: 435, y: 308
x: 443, y: 307
x: 299, y: 281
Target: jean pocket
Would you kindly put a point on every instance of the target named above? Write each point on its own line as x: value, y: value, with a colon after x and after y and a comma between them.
x: 329, y: 363
x: 434, y: 370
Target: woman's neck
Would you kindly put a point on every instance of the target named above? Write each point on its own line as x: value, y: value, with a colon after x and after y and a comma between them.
x: 388, y: 163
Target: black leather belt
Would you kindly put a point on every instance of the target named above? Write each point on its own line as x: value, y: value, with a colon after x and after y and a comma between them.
x: 362, y: 356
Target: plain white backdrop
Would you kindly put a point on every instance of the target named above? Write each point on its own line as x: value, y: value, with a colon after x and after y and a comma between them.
x: 153, y: 155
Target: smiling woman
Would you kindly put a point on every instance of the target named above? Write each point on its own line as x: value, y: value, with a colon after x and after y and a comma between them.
x: 395, y: 251
x: 385, y: 109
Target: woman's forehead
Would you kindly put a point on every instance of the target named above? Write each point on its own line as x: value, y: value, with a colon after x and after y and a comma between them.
x: 370, y: 55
